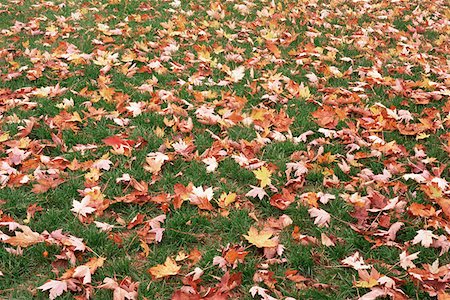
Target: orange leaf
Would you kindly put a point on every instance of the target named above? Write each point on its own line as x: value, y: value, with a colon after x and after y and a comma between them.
x: 273, y: 48
x: 326, y: 117
x: 444, y: 203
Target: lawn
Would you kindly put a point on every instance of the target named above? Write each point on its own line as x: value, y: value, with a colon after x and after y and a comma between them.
x: 224, y: 149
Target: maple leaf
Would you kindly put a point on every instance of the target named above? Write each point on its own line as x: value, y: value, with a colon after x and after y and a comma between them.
x: 211, y: 163
x: 31, y: 211
x: 56, y: 287
x: 256, y: 290
x: 273, y: 48
x: 326, y: 241
x: 237, y: 74
x: 263, y: 174
x: 406, y: 260
x: 283, y: 200
x: 366, y: 284
x: 322, y: 218
x: 312, y: 78
x: 202, y: 198
x: 196, y: 274
x: 82, y: 208
x: 102, y: 164
x: 124, y: 290
x: 374, y: 294
x: 154, y: 162
x: 260, y: 239
x: 424, y: 237
x: 206, y: 115
x: 14, y: 251
x: 302, y: 137
x: 105, y: 227
x: 356, y: 262
x: 120, y: 146
x: 94, y: 263
x: 83, y: 272
x: 226, y: 199
x: 444, y: 203
x: 442, y: 295
x: 256, y: 192
x: 25, y: 238
x: 169, y: 268
x: 303, y: 91
x: 326, y: 117
x: 135, y: 108
x: 324, y: 197
x: 417, y: 209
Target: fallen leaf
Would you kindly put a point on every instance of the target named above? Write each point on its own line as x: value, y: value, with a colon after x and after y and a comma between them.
x: 260, y: 239
x: 169, y: 268
x: 82, y: 207
x: 25, y: 238
x: 56, y: 288
x: 322, y: 218
x: 406, y: 260
x: 424, y: 237
x: 263, y: 174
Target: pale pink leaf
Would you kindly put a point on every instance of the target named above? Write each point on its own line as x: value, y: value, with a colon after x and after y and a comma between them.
x: 322, y: 218
x: 56, y: 288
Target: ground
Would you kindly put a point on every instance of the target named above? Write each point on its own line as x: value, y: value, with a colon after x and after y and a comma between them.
x: 224, y: 149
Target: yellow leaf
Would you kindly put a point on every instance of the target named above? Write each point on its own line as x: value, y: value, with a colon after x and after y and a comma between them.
x: 258, y: 114
x: 4, y: 137
x: 270, y: 35
x: 107, y: 93
x: 94, y: 263
x: 422, y: 136
x: 146, y: 249
x: 226, y: 200
x: 169, y: 268
x: 260, y: 239
x: 181, y: 256
x: 366, y: 284
x: 75, y: 117
x: 263, y: 174
x: 303, y: 92
x: 159, y: 132
x: 204, y: 56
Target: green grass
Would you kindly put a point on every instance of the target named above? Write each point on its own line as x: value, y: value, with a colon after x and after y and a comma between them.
x: 366, y: 33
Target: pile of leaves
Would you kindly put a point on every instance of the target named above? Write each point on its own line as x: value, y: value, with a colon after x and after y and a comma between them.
x: 225, y: 149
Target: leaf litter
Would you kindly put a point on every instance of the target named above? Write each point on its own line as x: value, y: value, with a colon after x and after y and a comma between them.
x: 118, y: 94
